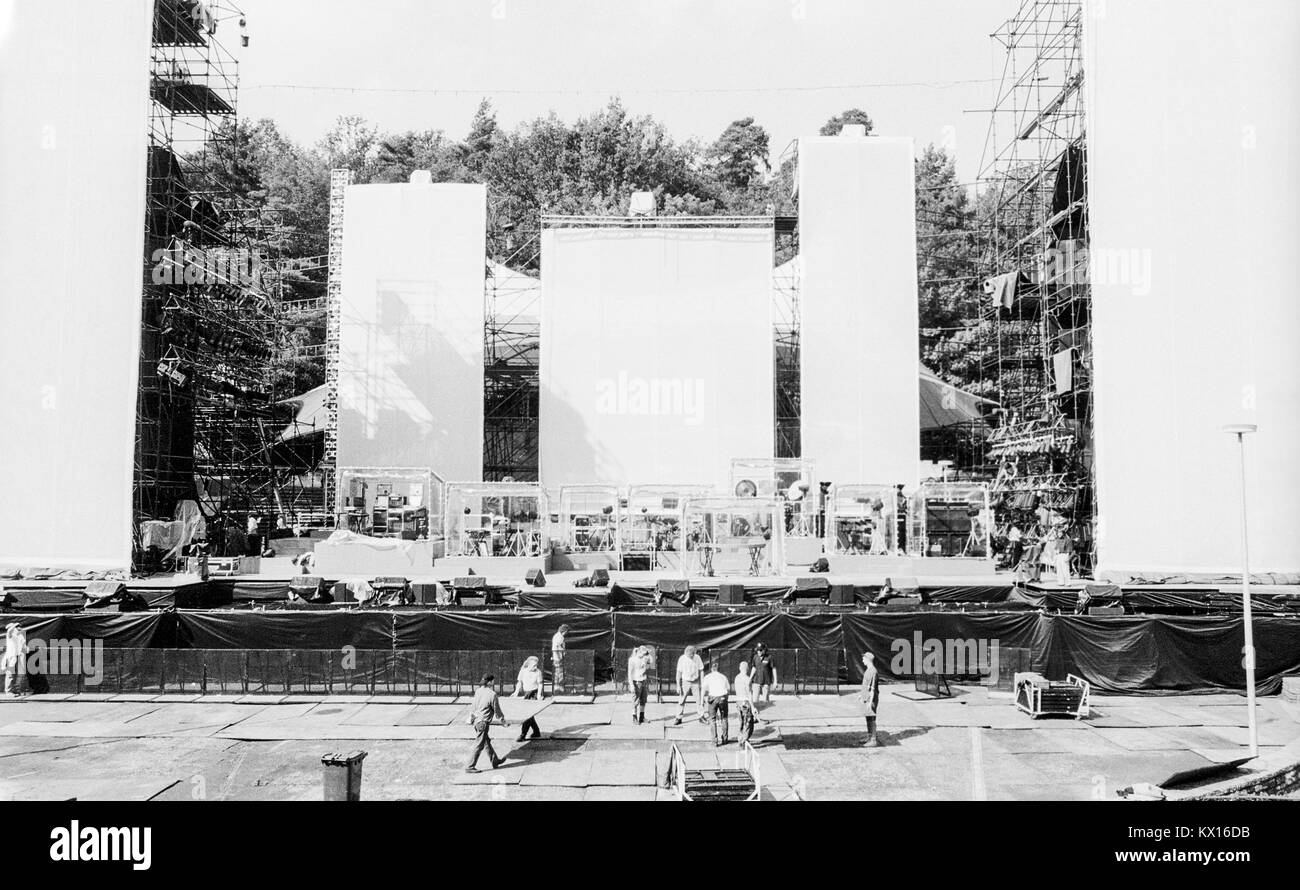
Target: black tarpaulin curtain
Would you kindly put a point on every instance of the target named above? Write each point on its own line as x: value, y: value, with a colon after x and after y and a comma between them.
x: 1134, y: 654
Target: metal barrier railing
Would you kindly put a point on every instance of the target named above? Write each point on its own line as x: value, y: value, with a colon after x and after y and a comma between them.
x: 798, y: 671
x: 330, y: 671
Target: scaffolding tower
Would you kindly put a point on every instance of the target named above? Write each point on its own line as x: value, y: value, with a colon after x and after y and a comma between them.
x: 1036, y: 316
x: 210, y: 334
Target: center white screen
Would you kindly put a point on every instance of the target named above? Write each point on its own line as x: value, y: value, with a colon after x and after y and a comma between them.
x: 657, y: 354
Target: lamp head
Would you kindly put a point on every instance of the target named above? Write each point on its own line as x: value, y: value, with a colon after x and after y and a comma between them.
x: 1239, y: 429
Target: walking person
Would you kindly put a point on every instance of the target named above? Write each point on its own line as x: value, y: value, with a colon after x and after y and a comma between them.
x: 763, y: 677
x: 529, y: 685
x: 14, y: 661
x: 485, y: 708
x: 869, y: 697
x: 745, y: 702
x: 558, y: 648
x: 717, y: 689
x: 690, y: 674
x: 638, y: 674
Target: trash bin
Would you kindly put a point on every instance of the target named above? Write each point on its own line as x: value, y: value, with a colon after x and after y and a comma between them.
x: 343, y: 775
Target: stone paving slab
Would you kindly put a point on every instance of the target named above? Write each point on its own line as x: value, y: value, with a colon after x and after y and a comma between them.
x: 622, y: 768
x: 378, y: 715
x: 638, y: 793
x: 429, y: 715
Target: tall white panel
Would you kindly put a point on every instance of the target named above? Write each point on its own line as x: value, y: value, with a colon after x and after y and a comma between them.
x: 657, y: 362
x: 411, y: 328
x: 1193, y: 136
x: 859, y: 333
x: 73, y: 124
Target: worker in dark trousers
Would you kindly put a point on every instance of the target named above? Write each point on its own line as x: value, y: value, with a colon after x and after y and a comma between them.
x: 485, y: 708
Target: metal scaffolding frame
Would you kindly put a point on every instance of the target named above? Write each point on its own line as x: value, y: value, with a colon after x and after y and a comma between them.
x: 207, y: 412
x: 1037, y: 319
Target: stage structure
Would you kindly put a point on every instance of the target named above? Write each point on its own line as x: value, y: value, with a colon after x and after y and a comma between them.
x: 950, y: 519
x: 411, y: 309
x: 862, y: 520
x: 657, y: 358
x: 588, y: 526
x: 734, y: 536
x: 391, y: 502
x: 495, y: 527
x: 859, y: 329
x: 214, y: 335
x: 793, y: 481
x: 1191, y: 261
x: 1037, y: 312
x: 512, y: 341
x: 651, y: 530
x: 74, y: 94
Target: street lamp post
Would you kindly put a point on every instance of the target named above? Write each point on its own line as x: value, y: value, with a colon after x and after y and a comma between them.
x: 1240, y: 430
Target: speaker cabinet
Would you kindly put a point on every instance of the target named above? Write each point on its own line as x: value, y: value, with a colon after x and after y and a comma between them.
x: 731, y: 594
x: 535, y: 578
x: 841, y: 595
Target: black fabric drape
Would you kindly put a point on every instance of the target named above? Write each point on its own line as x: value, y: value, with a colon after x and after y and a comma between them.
x: 286, y: 630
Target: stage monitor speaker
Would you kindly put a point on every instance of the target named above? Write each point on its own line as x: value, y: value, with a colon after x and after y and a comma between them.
x: 1106, y: 611
x: 673, y: 593
x: 306, y: 587
x: 97, y: 590
x: 674, y: 587
x: 730, y: 594
x: 535, y: 578
x: 343, y: 593
x: 426, y: 593
x: 470, y: 582
x: 904, y: 585
x: 600, y: 577
x: 812, y: 585
x: 841, y: 595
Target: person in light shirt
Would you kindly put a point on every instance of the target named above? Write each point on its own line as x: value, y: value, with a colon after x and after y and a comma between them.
x: 716, y: 690
x: 638, y: 672
x: 529, y: 685
x: 690, y: 672
x: 745, y: 702
x: 558, y: 648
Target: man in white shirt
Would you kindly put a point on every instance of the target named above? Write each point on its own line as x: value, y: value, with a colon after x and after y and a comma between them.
x: 716, y: 690
x: 745, y: 702
x: 690, y: 672
x: 638, y: 672
x: 558, y: 648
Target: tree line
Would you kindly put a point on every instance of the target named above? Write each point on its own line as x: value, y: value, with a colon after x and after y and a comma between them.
x: 589, y: 166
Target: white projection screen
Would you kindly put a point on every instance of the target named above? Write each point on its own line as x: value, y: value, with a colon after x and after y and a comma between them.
x: 859, y: 333
x: 1193, y: 136
x: 411, y: 328
x: 73, y: 125
x: 657, y: 354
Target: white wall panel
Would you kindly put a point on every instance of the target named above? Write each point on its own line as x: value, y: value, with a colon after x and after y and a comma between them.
x: 1193, y: 136
x: 859, y: 335
x: 657, y: 355
x: 73, y: 124
x: 411, y: 328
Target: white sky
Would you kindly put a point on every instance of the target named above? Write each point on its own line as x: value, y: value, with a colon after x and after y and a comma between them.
x: 696, y: 66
